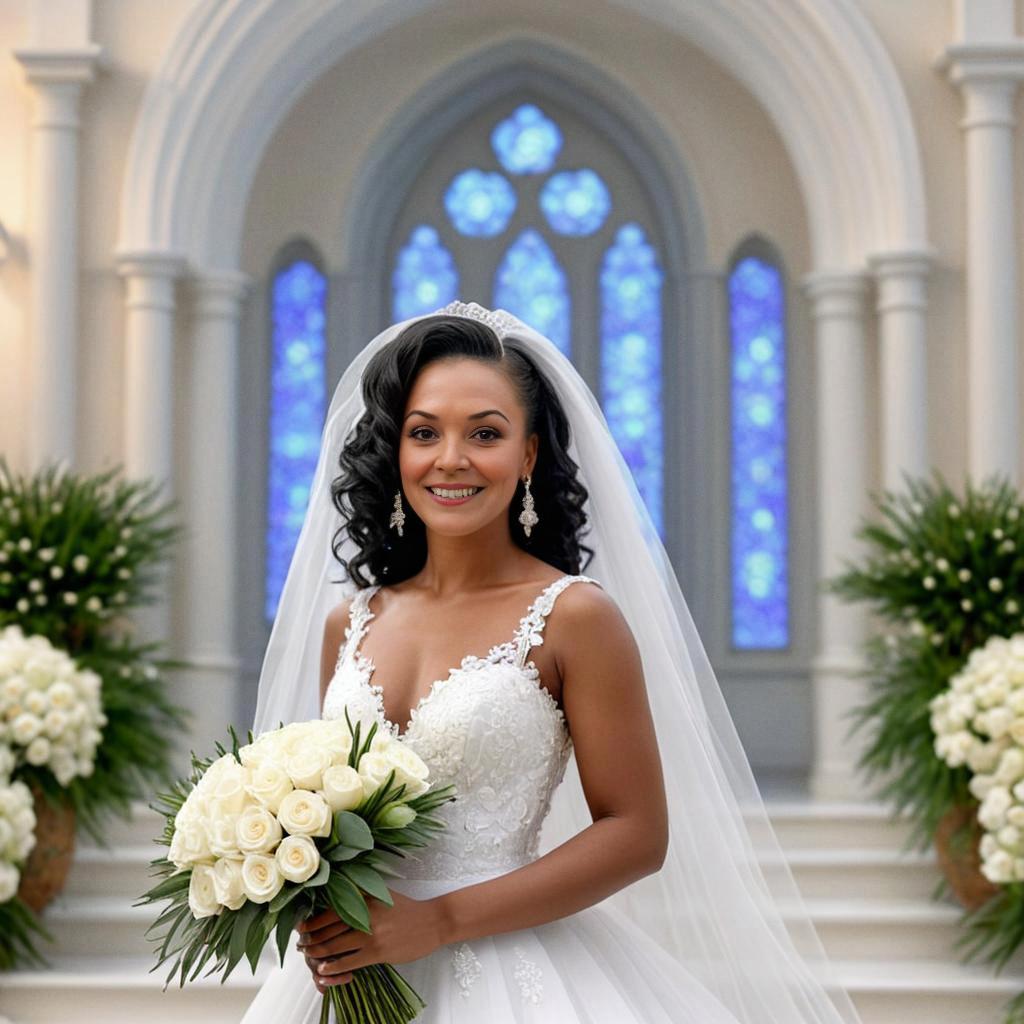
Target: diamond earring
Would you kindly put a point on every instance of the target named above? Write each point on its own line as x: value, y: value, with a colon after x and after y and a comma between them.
x: 528, y: 517
x: 398, y: 516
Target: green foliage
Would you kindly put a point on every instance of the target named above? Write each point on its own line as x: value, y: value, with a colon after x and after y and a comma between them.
x: 20, y: 930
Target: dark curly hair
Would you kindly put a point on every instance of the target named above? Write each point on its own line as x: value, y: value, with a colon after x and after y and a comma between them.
x: 364, y: 491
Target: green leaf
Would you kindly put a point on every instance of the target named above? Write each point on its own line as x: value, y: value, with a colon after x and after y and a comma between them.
x: 368, y: 880
x: 339, y: 853
x: 348, y: 903
x: 353, y: 831
x: 286, y: 925
x: 322, y: 874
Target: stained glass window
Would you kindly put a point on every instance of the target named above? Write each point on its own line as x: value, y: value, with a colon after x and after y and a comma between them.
x: 759, y: 513
x: 479, y: 203
x: 631, y: 359
x: 527, y: 141
x: 575, y: 202
x: 531, y: 284
x: 297, y: 408
x: 425, y: 276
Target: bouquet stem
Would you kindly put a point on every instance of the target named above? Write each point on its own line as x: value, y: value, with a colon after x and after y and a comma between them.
x: 377, y: 994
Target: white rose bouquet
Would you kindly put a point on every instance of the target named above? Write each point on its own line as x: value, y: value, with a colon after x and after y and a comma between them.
x: 18, y: 925
x: 979, y: 722
x: 300, y: 820
x: 50, y: 709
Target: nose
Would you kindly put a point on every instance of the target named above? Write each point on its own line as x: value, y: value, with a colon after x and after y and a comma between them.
x: 450, y: 455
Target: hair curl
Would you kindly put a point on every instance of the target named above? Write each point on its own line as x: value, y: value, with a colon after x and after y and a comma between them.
x: 364, y: 491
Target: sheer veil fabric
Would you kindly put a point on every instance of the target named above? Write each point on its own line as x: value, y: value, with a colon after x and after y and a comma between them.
x: 724, y: 903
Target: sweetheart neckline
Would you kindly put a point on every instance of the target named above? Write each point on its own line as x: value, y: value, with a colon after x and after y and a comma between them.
x: 366, y: 669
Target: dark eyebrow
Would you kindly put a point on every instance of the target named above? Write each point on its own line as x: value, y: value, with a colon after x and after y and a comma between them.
x: 475, y: 416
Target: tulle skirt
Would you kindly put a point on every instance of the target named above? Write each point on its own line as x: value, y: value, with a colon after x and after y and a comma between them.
x: 596, y: 966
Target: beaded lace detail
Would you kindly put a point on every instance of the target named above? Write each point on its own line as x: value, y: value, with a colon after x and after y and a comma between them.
x: 528, y: 976
x: 489, y: 727
x: 500, y: 320
x: 466, y: 967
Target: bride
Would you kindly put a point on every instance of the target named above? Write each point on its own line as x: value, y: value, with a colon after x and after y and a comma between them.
x: 476, y: 625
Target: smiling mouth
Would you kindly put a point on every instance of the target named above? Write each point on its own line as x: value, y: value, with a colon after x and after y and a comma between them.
x: 454, y: 493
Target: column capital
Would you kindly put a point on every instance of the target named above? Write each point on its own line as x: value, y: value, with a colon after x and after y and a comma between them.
x: 167, y: 265
x: 899, y: 262
x: 988, y: 74
x: 51, y: 66
x: 218, y: 292
x: 836, y: 292
x: 901, y: 275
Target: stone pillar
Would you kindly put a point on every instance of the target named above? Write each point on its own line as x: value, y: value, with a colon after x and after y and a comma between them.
x: 987, y: 74
x: 902, y: 307
x: 838, y: 307
x: 56, y: 78
x: 149, y: 388
x: 207, y: 580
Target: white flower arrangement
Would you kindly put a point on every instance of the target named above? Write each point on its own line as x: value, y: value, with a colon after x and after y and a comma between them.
x: 979, y: 722
x: 17, y: 827
x: 51, y: 714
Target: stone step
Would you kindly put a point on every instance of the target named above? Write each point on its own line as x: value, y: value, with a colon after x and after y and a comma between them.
x: 122, y: 991
x: 854, y: 873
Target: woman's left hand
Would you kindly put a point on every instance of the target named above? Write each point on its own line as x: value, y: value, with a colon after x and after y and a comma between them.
x: 406, y: 931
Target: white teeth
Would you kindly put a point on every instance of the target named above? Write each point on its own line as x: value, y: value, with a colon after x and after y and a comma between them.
x: 462, y: 492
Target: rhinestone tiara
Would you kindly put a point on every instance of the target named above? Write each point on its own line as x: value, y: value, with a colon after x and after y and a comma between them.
x: 499, y: 320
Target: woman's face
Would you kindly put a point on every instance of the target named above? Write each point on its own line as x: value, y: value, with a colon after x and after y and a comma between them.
x: 464, y: 430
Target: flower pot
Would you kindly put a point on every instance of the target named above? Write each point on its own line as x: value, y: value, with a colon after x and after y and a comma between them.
x: 960, y: 858
x: 46, y: 870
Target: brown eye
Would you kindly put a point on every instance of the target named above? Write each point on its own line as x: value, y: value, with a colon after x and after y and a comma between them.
x: 488, y: 430
x: 415, y: 433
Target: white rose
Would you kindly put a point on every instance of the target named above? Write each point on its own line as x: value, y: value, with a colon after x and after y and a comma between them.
x: 374, y: 769
x: 25, y: 728
x: 409, y: 769
x: 1011, y: 766
x: 269, y: 783
x: 61, y: 694
x: 1015, y: 816
x: 980, y: 785
x: 9, y: 879
x: 189, y: 845
x: 1009, y: 837
x: 261, y: 878
x: 306, y: 814
x: 229, y: 795
x: 38, y: 751
x: 220, y: 833
x: 992, y: 812
x: 227, y: 883
x: 298, y: 858
x: 998, y: 868
x: 257, y: 830
x: 202, y: 896
x: 306, y: 767
x: 342, y: 788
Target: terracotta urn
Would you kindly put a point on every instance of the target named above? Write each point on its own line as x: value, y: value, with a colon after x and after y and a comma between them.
x: 46, y: 870
x: 960, y: 859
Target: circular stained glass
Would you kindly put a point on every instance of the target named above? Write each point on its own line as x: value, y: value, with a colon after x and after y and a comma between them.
x: 527, y: 141
x: 575, y: 202
x: 480, y: 203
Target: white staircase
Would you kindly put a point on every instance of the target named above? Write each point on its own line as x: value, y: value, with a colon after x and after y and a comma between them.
x: 891, y: 945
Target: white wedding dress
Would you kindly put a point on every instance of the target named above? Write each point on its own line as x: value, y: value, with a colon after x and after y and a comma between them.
x: 493, y: 731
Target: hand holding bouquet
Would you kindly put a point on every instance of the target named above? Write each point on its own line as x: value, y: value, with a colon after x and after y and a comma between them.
x: 301, y: 820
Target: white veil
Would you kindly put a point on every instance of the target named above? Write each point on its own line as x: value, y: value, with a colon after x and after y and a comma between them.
x: 724, y: 903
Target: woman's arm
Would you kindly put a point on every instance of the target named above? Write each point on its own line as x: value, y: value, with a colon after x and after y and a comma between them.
x: 606, y: 706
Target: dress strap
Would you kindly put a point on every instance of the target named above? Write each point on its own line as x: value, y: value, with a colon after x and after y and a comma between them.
x: 531, y: 626
x: 359, y: 616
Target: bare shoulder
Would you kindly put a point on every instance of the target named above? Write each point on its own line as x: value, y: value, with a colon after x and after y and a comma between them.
x: 586, y: 618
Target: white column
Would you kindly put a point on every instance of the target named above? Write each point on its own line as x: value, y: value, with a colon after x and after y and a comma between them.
x: 207, y: 580
x: 56, y: 78
x: 838, y: 305
x: 987, y: 75
x: 149, y: 390
x: 902, y: 307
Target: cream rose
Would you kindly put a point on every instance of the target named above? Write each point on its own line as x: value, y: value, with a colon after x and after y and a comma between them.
x: 342, y: 788
x: 257, y: 830
x: 220, y: 833
x: 269, y: 784
x: 189, y: 845
x: 202, y: 897
x: 298, y: 858
x: 306, y: 767
x: 306, y: 814
x: 409, y: 769
x: 227, y: 883
x: 374, y: 769
x: 261, y: 878
x: 9, y: 879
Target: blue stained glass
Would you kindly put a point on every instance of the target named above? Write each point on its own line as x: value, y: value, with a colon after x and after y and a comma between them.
x: 297, y: 407
x: 575, y: 202
x: 527, y: 141
x: 760, y: 500
x: 425, y: 277
x: 631, y: 360
x: 531, y: 284
x: 480, y: 203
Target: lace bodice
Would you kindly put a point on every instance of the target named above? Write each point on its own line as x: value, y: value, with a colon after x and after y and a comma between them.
x: 489, y: 728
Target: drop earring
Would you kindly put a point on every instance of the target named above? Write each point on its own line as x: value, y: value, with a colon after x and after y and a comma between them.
x: 528, y: 517
x: 398, y: 516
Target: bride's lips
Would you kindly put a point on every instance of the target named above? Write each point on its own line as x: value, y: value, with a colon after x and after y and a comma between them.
x: 451, y: 501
